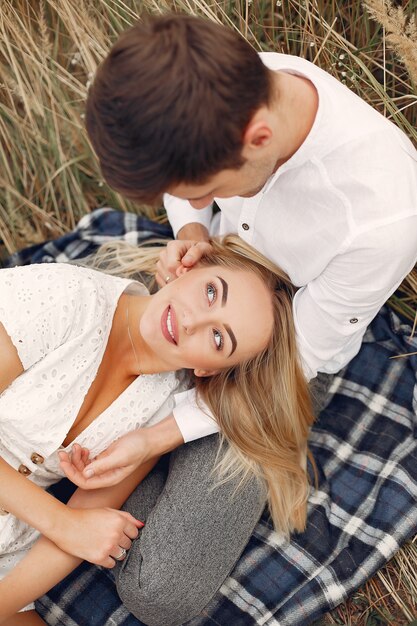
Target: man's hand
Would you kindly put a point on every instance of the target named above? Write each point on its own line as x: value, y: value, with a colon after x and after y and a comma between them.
x: 110, y: 467
x: 122, y: 457
x: 180, y: 255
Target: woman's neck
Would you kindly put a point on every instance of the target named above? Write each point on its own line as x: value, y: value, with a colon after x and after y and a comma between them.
x: 125, y: 341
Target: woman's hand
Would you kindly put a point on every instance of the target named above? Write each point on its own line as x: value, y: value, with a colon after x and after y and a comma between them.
x: 96, y: 535
x: 110, y: 467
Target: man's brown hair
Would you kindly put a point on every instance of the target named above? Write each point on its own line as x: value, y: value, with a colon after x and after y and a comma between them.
x: 170, y: 104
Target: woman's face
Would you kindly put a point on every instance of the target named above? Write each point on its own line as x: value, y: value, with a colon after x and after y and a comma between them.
x: 208, y: 319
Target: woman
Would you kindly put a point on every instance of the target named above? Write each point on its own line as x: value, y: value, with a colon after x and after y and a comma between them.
x: 59, y: 359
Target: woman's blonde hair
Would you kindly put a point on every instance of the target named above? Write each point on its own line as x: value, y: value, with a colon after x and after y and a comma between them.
x: 262, y: 406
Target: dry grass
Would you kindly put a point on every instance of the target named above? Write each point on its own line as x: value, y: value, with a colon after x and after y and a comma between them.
x: 400, y: 31
x: 49, y: 50
x: 390, y: 597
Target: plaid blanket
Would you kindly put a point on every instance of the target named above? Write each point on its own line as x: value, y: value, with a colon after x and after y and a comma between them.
x: 364, y: 508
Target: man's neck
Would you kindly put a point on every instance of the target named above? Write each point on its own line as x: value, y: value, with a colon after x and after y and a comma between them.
x: 295, y: 112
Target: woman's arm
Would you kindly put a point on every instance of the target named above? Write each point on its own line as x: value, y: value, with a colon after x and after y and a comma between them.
x: 90, y: 535
x: 30, y: 579
x: 17, y: 494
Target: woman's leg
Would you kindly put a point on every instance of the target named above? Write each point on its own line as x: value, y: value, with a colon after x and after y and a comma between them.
x: 192, y: 538
x: 43, y: 566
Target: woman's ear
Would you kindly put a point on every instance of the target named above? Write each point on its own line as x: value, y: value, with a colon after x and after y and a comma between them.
x: 200, y: 373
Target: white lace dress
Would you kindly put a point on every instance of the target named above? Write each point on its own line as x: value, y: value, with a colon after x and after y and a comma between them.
x: 59, y: 318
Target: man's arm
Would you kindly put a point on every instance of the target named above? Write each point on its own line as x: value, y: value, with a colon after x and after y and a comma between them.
x: 332, y: 312
x: 193, y: 418
x: 181, y: 213
x: 123, y: 456
x: 194, y: 232
x: 188, y: 422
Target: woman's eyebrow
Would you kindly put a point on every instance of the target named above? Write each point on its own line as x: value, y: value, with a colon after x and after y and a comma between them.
x: 232, y: 338
x: 225, y: 290
x: 230, y: 332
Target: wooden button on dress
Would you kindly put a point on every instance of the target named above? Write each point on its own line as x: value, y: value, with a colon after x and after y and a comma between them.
x: 24, y: 470
x: 37, y: 458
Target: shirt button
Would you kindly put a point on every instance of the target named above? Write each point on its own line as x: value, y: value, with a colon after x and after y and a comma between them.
x: 245, y: 226
x: 37, y: 458
x: 24, y: 470
x: 354, y: 320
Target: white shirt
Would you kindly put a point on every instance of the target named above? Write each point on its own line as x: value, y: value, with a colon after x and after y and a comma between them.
x: 340, y: 217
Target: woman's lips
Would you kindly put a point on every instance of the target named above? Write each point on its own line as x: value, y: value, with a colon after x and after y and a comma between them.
x: 169, y: 325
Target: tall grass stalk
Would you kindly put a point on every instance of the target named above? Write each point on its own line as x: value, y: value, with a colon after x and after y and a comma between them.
x: 400, y: 29
x: 49, y: 51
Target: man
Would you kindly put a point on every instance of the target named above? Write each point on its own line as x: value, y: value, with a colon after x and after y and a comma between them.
x: 301, y: 168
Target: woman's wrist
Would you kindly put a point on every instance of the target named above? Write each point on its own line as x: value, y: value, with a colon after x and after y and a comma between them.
x: 57, y: 522
x: 29, y: 502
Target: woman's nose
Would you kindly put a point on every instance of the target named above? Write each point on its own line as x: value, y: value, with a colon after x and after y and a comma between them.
x: 188, y: 324
x: 193, y: 320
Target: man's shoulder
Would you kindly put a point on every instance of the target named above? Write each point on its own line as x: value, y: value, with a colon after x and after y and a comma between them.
x: 277, y: 61
x: 280, y: 61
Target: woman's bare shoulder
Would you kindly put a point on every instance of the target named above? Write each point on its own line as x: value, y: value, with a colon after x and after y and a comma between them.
x: 11, y: 365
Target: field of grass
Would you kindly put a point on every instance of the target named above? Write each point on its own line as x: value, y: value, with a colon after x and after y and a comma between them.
x: 49, y: 177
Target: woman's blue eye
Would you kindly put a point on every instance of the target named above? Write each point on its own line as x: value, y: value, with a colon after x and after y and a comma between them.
x: 211, y: 293
x: 218, y: 339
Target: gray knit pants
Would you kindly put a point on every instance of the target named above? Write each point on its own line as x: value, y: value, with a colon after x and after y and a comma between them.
x: 194, y: 533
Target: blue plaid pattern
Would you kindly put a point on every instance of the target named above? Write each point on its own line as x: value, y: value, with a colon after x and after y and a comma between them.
x: 93, y: 230
x: 364, y: 507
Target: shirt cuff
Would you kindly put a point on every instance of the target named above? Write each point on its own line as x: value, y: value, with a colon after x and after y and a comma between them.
x: 194, y: 421
x: 180, y: 212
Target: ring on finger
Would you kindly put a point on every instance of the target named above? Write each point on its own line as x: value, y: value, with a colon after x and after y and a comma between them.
x: 122, y: 555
